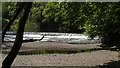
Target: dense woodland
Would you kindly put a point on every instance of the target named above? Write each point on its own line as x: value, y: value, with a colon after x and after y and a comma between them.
x: 0, y: 15
x: 75, y: 17
x: 91, y: 18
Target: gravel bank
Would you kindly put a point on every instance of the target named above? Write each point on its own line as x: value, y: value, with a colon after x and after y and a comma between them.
x: 53, y: 46
x: 79, y: 59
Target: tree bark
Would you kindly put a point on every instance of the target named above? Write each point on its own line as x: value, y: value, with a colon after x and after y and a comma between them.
x: 7, y: 27
x: 19, y: 37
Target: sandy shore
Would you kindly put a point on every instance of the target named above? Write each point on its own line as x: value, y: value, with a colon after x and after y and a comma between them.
x: 79, y: 59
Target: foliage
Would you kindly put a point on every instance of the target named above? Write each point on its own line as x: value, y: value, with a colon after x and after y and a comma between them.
x: 72, y: 18
x: 5, y: 14
x: 104, y: 21
x: 92, y: 18
x: 52, y: 16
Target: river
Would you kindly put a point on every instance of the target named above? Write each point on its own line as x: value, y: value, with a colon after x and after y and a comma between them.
x: 52, y: 37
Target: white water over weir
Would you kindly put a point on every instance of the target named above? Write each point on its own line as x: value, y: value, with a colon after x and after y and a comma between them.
x: 52, y: 37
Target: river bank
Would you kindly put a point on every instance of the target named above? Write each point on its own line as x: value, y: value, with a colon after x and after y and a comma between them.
x: 93, y: 58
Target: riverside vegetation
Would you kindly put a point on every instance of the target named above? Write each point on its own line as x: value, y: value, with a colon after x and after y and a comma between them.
x: 92, y: 18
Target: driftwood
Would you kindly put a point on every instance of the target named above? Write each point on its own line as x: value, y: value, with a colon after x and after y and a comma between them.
x: 32, y: 40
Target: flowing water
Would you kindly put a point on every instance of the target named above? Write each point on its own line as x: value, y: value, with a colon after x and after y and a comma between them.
x: 53, y: 37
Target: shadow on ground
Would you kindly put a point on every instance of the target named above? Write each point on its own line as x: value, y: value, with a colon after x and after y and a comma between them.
x: 62, y: 51
x: 113, y: 48
x: 112, y: 64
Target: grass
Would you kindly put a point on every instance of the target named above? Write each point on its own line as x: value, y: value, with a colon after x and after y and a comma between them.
x: 36, y: 52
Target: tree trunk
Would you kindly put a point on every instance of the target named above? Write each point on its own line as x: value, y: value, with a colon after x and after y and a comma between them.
x: 18, y: 41
x: 7, y: 27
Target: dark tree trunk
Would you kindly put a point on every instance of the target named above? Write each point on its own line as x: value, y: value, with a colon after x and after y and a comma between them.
x: 7, y: 27
x: 18, y: 41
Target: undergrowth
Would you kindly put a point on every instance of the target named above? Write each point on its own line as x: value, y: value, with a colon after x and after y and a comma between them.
x: 35, y: 52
